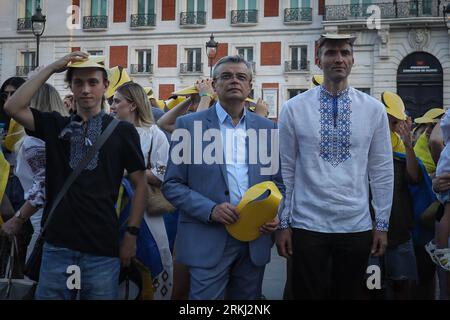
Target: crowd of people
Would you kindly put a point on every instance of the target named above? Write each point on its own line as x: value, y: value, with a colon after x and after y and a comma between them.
x: 96, y: 174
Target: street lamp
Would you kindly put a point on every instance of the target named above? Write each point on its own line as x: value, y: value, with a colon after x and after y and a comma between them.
x: 38, y: 26
x: 211, y: 52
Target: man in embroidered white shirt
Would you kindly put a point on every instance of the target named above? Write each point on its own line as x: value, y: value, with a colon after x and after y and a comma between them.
x: 334, y: 143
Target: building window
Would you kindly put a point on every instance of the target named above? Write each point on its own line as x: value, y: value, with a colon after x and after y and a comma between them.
x: 27, y: 63
x: 95, y: 52
x: 194, y: 61
x: 299, y: 59
x: 246, y: 12
x: 144, y: 62
x: 145, y: 16
x: 293, y: 92
x: 97, y: 17
x: 26, y: 9
x: 195, y: 13
x: 299, y: 11
x: 247, y: 54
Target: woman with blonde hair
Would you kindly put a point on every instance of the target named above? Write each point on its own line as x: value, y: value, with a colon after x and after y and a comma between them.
x: 30, y: 168
x: 130, y: 103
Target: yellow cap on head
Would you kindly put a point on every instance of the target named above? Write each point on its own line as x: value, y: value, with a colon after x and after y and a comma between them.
x: 431, y: 116
x: 90, y: 62
x: 117, y: 77
x: 174, y: 102
x: 394, y: 105
x: 317, y: 80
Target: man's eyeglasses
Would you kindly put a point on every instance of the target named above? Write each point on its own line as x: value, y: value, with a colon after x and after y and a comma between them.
x: 240, y: 76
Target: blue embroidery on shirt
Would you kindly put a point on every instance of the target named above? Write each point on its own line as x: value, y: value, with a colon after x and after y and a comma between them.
x: 381, y: 225
x: 335, y: 133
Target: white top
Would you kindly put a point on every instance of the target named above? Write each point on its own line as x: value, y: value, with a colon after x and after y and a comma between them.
x: 443, y: 165
x: 160, y: 149
x: 326, y: 162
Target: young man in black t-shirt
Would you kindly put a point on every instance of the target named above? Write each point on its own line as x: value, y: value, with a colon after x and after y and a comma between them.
x: 83, y: 230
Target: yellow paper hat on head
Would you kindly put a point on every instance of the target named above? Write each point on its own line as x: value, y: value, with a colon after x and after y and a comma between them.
x: 161, y: 104
x: 431, y: 116
x: 394, y: 105
x: 149, y: 92
x: 174, y: 102
x: 185, y: 92
x: 317, y: 79
x: 90, y: 62
x: 254, y: 211
x: 117, y: 77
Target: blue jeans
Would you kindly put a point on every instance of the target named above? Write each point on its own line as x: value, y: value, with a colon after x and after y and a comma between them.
x: 99, y: 276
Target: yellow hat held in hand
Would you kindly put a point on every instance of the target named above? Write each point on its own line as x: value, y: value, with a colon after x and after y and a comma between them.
x: 174, y: 102
x: 185, y: 92
x: 431, y: 116
x: 117, y: 77
x: 254, y: 211
x: 90, y: 62
x: 394, y: 105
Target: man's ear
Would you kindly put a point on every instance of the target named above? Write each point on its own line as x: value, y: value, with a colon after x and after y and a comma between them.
x: 106, y: 83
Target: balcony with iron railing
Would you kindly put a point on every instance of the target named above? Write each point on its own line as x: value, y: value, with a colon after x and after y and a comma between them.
x: 193, y: 19
x: 186, y: 68
x: 95, y: 22
x: 141, y: 69
x: 296, y: 66
x: 24, y: 24
x: 23, y: 71
x: 393, y: 10
x: 244, y: 17
x: 143, y: 20
x: 297, y: 15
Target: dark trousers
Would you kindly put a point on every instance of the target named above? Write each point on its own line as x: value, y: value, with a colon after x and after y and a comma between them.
x: 330, y: 265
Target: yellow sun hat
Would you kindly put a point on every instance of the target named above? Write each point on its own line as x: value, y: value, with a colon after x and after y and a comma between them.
x: 174, y: 102
x: 185, y: 92
x: 431, y: 116
x: 90, y: 62
x: 394, y: 105
x: 149, y: 92
x: 317, y: 80
x: 258, y: 206
x: 117, y: 77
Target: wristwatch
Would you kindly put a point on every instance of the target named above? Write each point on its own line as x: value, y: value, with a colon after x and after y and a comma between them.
x: 18, y: 215
x: 132, y: 230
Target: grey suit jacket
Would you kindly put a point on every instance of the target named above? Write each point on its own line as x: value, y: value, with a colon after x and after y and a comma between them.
x: 196, y: 188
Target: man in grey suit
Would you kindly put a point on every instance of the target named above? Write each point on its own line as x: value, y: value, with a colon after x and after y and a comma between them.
x: 207, y: 193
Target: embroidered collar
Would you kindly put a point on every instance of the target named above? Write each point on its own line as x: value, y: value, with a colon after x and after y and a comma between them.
x: 343, y: 92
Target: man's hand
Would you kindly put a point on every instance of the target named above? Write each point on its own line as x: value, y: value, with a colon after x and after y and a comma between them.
x: 271, y: 226
x: 61, y: 64
x: 11, y: 227
x: 283, y: 239
x: 225, y: 213
x: 127, y: 249
x: 441, y: 183
x: 379, y: 243
x: 404, y: 130
x: 262, y: 108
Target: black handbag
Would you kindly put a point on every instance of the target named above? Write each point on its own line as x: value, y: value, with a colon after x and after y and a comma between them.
x: 33, y: 264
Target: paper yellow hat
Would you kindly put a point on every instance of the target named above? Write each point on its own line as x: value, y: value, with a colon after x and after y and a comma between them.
x: 174, y: 102
x: 90, y: 62
x: 431, y: 116
x: 161, y: 104
x: 185, y: 92
x: 149, y: 92
x: 394, y: 105
x: 258, y: 206
x: 117, y: 77
x: 317, y: 79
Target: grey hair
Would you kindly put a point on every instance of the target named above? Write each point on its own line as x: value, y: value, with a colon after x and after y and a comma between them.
x: 232, y: 59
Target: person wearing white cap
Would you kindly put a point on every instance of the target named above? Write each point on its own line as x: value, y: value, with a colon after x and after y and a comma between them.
x: 83, y: 229
x: 335, y: 142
